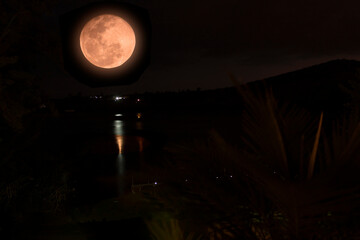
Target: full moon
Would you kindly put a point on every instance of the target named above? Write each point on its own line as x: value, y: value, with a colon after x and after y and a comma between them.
x: 107, y: 41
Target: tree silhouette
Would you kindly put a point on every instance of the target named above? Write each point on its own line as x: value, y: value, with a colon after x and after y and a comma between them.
x: 22, y: 35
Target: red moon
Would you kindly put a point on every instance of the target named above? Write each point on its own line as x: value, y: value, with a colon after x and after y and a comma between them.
x: 107, y: 41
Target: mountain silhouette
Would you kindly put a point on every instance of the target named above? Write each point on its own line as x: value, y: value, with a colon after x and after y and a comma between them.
x: 324, y: 87
x: 330, y: 87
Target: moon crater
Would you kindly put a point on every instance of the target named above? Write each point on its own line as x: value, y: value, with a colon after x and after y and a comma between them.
x: 107, y: 41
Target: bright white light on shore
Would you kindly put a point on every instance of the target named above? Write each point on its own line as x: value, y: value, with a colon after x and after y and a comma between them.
x: 118, y: 98
x: 118, y: 115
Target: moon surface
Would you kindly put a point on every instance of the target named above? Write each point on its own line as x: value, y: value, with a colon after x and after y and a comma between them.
x: 107, y: 41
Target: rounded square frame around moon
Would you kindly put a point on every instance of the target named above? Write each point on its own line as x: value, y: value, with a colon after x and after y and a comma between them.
x: 77, y: 65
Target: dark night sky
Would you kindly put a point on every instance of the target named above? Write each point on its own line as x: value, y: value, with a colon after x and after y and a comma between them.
x: 196, y: 43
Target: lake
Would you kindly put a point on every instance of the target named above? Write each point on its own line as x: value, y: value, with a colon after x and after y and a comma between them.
x: 110, y: 153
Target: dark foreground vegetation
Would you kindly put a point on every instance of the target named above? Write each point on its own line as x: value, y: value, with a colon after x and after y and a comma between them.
x: 283, y: 174
x: 287, y: 170
x: 288, y: 176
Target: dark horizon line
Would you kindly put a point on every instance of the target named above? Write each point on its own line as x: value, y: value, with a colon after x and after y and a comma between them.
x: 199, y: 89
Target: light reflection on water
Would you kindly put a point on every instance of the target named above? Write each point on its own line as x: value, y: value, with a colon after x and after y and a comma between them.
x: 118, y: 127
x: 119, y: 141
x: 126, y: 144
x: 120, y: 161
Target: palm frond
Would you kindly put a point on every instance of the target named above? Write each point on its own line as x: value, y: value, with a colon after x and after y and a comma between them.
x: 315, y: 149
